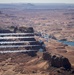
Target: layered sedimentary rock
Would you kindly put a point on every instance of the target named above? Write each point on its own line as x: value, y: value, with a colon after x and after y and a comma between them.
x: 22, y: 37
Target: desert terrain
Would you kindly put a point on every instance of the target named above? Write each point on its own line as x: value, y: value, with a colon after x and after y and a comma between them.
x: 49, y: 26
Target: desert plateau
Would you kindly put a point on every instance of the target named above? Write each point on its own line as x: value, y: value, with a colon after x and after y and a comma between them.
x: 45, y: 31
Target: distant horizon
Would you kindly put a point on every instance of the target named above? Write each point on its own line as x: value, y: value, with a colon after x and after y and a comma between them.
x: 36, y: 1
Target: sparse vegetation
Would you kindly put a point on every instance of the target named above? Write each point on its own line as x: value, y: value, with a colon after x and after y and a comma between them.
x: 50, y: 24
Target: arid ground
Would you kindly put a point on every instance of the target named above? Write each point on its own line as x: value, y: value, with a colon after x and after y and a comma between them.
x: 56, y: 23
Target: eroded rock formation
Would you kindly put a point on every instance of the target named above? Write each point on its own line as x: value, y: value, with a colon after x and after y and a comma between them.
x: 30, y: 42
x: 57, y: 60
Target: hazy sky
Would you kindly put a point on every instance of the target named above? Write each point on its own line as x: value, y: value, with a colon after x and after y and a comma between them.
x: 36, y: 1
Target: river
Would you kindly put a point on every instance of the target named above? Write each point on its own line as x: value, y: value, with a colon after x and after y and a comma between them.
x: 67, y: 42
